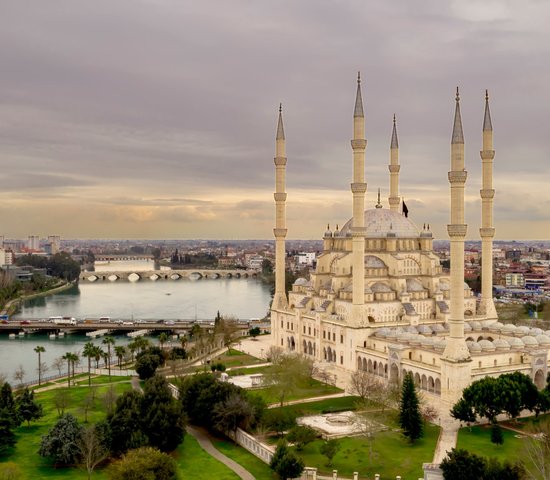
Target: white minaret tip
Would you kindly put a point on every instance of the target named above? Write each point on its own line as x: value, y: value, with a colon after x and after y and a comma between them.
x: 280, y: 129
x: 487, y: 125
x: 394, y: 142
x: 458, y: 136
x: 358, y: 112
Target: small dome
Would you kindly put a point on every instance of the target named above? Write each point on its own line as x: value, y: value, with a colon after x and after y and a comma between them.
x: 474, y: 347
x: 535, y: 331
x: 475, y: 325
x: 543, y: 339
x: 438, y: 328
x: 509, y: 328
x: 301, y: 282
x: 425, y: 329
x: 382, y: 332
x: 440, y: 344
x: 466, y: 286
x: 523, y: 330
x: 411, y: 329
x: 529, y: 341
x: 501, y: 344
x: 374, y: 262
x: 427, y: 341
x: 444, y: 286
x: 414, y: 285
x: 515, y: 342
x: 467, y: 327
x: 393, y: 333
x: 497, y: 326
x: 380, y: 287
x: 486, y: 345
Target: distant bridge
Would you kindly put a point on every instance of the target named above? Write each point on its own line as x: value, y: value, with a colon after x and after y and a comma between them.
x: 122, y: 257
x: 166, y: 275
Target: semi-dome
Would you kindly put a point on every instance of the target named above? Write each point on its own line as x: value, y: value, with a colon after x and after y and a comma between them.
x: 371, y: 261
x: 381, y: 221
x: 413, y: 285
x: 380, y: 287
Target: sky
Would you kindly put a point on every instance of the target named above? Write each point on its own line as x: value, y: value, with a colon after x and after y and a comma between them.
x: 157, y: 118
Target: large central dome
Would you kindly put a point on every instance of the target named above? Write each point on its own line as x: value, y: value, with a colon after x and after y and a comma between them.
x: 381, y: 221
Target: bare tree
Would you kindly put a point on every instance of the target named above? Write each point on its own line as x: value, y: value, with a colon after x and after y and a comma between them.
x: 325, y: 376
x: 109, y: 399
x: 19, y: 374
x: 58, y: 364
x: 367, y: 387
x: 88, y: 404
x: 61, y: 400
x: 92, y: 449
x: 536, y: 458
x: 288, y: 372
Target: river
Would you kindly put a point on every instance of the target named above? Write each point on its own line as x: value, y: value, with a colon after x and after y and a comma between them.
x: 145, y: 299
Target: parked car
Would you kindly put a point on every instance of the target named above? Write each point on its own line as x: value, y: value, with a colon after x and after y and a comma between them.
x: 25, y: 322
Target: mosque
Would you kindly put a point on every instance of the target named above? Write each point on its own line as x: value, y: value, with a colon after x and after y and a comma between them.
x: 379, y: 301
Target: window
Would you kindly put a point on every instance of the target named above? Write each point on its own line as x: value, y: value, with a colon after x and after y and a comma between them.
x: 333, y: 336
x: 341, y: 359
x: 324, y: 334
x: 341, y: 338
x: 309, y: 330
x: 304, y: 329
x: 410, y: 355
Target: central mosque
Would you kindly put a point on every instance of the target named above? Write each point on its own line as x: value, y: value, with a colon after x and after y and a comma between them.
x: 379, y: 300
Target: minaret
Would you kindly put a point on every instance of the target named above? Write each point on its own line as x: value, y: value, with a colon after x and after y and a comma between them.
x: 280, y: 230
x: 358, y: 189
x: 487, y: 232
x: 456, y: 360
x: 394, y: 170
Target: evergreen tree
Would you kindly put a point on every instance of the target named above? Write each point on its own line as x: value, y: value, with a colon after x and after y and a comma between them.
x: 410, y: 418
x: 8, y: 406
x: 496, y: 434
x: 61, y: 443
x: 7, y: 437
x: 285, y: 464
x: 28, y: 408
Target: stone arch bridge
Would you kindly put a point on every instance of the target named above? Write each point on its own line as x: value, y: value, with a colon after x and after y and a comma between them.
x: 155, y: 275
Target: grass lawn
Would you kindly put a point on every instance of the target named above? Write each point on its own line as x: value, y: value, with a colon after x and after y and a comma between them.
x: 478, y: 440
x: 247, y: 371
x: 195, y: 463
x: 236, y: 358
x: 313, y: 388
x: 99, y: 379
x: 392, y: 455
x: 329, y: 405
x: 254, y: 465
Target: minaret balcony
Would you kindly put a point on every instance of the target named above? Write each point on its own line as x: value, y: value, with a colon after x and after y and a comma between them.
x: 458, y: 176
x: 358, y: 144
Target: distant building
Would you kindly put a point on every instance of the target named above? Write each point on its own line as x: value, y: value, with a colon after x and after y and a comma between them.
x: 54, y: 244
x: 514, y: 280
x: 33, y: 242
x: 6, y: 257
x: 305, y: 259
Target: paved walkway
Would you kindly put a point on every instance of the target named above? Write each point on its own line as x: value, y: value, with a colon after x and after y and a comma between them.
x: 308, y: 400
x: 204, y: 441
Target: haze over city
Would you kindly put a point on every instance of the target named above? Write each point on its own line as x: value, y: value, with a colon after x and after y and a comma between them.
x: 156, y: 119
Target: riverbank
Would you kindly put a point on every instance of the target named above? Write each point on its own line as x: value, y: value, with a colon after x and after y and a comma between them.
x: 11, y: 307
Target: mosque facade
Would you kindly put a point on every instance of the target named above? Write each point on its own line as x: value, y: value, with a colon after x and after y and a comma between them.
x: 379, y: 300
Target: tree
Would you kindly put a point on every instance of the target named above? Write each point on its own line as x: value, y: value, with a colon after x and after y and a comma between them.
x: 108, y: 340
x: 410, y: 418
x: 93, y: 446
x: 61, y: 443
x: 285, y: 464
x: 329, y: 449
x: 279, y: 420
x: 19, y: 374
x: 300, y: 436
x: 8, y: 405
x: 89, y: 352
x: 120, y: 352
x: 146, y: 365
x: 464, y: 412
x: 235, y: 412
x: 61, y: 399
x: 288, y: 372
x: 460, y: 464
x: 143, y: 464
x: 7, y: 437
x: 109, y: 399
x: 39, y: 349
x: 254, y: 332
x: 496, y: 434
x: 71, y: 359
x: 58, y: 364
x: 536, y: 453
x: 163, y: 338
x: 367, y: 387
x: 28, y: 408
x: 126, y: 423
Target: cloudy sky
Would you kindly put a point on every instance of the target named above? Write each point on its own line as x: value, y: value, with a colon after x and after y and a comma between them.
x: 156, y: 118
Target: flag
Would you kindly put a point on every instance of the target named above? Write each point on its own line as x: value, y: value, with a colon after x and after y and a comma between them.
x: 405, y: 209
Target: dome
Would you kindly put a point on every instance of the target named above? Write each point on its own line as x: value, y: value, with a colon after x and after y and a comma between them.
x: 501, y: 344
x: 382, y: 332
x: 509, y: 328
x: 381, y: 221
x: 523, y: 330
x: 529, y: 341
x: 425, y: 329
x: 543, y: 339
x: 411, y: 329
x: 475, y: 325
x: 301, y: 282
x: 487, y: 345
x: 496, y: 326
x: 473, y: 346
x: 437, y: 327
x: 444, y: 286
x: 374, y: 262
x: 536, y: 331
x: 380, y: 287
x: 515, y: 342
x: 414, y: 285
x: 467, y: 327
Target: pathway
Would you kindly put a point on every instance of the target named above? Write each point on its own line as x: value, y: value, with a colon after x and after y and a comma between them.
x: 204, y: 441
x: 308, y: 400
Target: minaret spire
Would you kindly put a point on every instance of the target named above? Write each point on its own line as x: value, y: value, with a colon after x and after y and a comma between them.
x: 456, y: 360
x: 487, y: 232
x: 394, y: 168
x: 280, y: 230
x: 358, y: 189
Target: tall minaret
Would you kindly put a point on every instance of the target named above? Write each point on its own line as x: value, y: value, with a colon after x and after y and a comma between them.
x: 456, y: 360
x: 280, y: 230
x: 394, y: 170
x: 487, y: 232
x: 358, y: 189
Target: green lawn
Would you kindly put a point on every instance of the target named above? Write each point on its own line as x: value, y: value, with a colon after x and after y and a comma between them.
x: 247, y: 371
x: 329, y: 405
x: 254, y: 465
x: 195, y: 463
x: 478, y: 440
x: 313, y: 388
x: 236, y: 358
x: 392, y: 455
x: 99, y: 379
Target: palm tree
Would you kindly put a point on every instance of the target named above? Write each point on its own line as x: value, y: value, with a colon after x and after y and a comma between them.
x: 39, y: 349
x: 71, y: 358
x: 108, y: 340
x: 97, y: 355
x: 88, y: 352
x: 163, y: 338
x: 120, y: 351
x: 132, y: 346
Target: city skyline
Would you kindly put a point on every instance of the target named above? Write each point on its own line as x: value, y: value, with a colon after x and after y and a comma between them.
x: 157, y: 119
